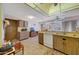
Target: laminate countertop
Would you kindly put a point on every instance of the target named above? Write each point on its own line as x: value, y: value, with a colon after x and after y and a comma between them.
x: 67, y: 34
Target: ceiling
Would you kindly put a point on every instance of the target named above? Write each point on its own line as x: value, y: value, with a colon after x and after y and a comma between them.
x: 43, y: 7
x: 21, y: 11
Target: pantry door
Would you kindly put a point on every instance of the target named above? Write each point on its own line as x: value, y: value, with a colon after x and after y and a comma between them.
x: 11, y: 30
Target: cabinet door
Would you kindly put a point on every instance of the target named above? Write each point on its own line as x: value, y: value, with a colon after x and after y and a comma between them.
x: 67, y: 45
x: 23, y: 23
x: 58, y: 43
x: 20, y: 23
x: 26, y: 23
x: 41, y: 38
x: 76, y: 46
x: 70, y: 46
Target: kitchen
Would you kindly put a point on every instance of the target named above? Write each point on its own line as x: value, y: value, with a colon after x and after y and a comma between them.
x: 50, y: 26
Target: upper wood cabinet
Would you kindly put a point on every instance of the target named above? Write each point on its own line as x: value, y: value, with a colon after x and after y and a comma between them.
x: 23, y: 23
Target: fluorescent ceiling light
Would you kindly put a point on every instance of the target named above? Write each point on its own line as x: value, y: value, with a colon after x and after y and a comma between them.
x: 30, y: 17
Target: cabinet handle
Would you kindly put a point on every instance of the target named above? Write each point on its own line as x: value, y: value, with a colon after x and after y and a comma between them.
x: 64, y: 39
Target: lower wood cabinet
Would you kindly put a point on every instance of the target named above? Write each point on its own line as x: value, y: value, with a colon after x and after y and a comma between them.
x: 58, y: 43
x: 67, y: 45
x: 33, y: 34
x: 41, y: 38
x: 23, y: 35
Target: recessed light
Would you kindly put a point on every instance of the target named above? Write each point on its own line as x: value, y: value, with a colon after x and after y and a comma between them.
x: 30, y: 17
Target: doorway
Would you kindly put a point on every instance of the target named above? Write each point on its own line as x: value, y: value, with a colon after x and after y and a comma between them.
x: 11, y: 30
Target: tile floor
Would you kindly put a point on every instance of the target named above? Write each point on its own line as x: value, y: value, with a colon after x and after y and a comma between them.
x: 32, y: 47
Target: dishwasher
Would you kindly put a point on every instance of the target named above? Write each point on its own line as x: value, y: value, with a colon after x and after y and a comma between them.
x: 48, y: 40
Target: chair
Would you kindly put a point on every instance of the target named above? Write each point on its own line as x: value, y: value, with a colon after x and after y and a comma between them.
x: 18, y: 47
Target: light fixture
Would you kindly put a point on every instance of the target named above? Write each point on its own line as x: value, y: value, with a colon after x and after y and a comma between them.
x: 30, y: 17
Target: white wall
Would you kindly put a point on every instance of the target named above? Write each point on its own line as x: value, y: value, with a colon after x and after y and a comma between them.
x: 21, y: 11
x: 53, y: 25
x: 69, y: 27
x: 77, y: 23
x: 36, y: 26
x: 1, y: 25
x: 3, y: 30
x: 57, y: 26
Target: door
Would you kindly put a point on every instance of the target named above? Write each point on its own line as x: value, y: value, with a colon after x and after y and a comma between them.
x: 11, y: 30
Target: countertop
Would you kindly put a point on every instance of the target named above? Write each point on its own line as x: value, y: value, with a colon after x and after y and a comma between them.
x: 67, y: 34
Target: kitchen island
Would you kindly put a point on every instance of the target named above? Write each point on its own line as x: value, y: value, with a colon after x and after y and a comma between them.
x: 65, y: 42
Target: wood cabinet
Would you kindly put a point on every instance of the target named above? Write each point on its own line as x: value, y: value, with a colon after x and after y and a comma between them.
x: 23, y: 35
x: 23, y: 23
x: 22, y: 30
x: 33, y: 34
x: 67, y: 45
x: 41, y: 38
x: 58, y: 43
